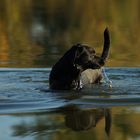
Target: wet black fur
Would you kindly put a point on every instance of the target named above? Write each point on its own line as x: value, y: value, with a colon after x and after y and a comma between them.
x: 65, y: 74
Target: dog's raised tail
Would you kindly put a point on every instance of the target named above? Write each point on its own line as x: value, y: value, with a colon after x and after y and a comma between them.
x: 106, y: 44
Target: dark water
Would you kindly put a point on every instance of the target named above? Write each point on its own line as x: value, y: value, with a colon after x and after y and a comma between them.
x: 28, y: 110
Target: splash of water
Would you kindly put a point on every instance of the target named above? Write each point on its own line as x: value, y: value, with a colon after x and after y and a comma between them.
x: 106, y: 78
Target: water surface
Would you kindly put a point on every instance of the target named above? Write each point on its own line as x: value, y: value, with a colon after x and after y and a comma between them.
x: 29, y: 110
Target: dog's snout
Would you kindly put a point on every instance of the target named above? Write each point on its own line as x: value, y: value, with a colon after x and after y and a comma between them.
x: 96, y: 66
x: 91, y: 65
x: 101, y: 62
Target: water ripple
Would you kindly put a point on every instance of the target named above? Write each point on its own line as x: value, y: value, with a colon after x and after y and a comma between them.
x: 23, y: 90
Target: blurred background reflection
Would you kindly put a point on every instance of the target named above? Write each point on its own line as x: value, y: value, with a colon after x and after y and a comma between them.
x: 36, y: 33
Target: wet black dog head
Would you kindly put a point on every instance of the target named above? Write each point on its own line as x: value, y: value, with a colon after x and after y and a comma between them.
x: 85, y: 57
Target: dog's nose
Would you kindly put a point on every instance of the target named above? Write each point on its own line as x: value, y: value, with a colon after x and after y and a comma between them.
x: 101, y: 62
x: 94, y: 65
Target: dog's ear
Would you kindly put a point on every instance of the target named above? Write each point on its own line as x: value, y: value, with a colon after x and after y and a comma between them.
x: 79, y: 50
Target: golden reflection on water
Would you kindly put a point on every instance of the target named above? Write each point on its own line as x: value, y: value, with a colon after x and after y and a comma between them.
x: 117, y: 123
x: 36, y: 33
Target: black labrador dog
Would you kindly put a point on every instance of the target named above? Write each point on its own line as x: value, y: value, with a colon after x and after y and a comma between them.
x: 66, y: 73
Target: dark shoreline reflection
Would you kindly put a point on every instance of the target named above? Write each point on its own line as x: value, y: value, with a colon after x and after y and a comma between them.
x: 75, y: 118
